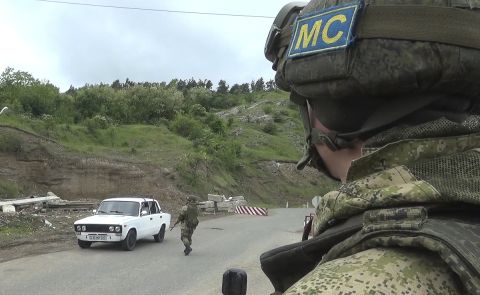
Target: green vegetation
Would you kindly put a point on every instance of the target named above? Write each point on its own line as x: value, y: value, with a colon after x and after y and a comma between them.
x: 17, y: 226
x: 9, y: 189
x: 180, y: 124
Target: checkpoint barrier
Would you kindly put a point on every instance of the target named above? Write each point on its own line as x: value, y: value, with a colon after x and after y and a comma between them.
x: 251, y: 210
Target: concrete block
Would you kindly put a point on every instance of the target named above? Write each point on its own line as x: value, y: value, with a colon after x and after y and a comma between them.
x: 216, y: 198
x: 8, y: 208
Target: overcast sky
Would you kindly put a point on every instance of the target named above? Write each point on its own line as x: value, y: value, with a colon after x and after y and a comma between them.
x: 74, y: 45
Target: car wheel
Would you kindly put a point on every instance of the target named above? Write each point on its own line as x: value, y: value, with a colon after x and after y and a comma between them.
x: 161, y: 234
x: 84, y: 244
x: 130, y: 240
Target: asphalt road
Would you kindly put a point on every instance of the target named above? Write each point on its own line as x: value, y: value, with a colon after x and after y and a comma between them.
x: 218, y: 244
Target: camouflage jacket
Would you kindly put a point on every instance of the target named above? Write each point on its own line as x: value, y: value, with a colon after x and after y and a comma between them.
x: 410, y: 177
x: 188, y: 216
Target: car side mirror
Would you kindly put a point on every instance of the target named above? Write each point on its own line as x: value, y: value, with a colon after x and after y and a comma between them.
x: 94, y: 211
x: 144, y: 212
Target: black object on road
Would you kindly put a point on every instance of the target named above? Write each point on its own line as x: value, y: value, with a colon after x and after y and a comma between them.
x: 234, y: 282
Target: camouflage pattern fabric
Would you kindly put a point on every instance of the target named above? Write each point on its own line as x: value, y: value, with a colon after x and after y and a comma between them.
x: 387, y: 271
x: 186, y: 235
x: 417, y: 171
x: 189, y: 219
x: 382, y: 179
x: 406, y: 66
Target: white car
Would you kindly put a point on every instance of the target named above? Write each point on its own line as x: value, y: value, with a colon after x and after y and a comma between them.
x: 123, y: 220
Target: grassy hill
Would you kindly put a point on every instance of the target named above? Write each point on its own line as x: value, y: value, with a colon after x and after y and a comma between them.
x: 255, y: 156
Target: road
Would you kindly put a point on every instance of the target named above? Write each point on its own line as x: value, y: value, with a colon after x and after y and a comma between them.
x: 218, y: 244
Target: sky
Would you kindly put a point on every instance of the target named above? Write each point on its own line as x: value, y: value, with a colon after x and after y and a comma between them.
x: 75, y: 45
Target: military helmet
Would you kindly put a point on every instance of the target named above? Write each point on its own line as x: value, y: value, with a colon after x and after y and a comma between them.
x: 192, y: 199
x: 362, y: 66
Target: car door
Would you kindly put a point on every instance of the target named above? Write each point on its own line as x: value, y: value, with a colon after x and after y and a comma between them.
x: 156, y: 220
x: 145, y: 221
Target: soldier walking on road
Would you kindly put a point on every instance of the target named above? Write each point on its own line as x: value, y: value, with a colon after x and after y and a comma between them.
x: 189, y: 220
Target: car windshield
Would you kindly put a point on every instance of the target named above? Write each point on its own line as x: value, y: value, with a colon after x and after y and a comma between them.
x: 118, y: 208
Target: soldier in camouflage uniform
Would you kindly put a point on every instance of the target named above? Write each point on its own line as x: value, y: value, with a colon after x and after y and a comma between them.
x: 189, y: 220
x: 389, y: 94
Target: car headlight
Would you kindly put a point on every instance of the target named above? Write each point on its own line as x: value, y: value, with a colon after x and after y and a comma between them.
x: 111, y: 228
x: 118, y: 228
x: 84, y: 228
x: 79, y: 228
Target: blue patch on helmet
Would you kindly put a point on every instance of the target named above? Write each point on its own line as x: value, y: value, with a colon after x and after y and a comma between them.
x: 324, y: 30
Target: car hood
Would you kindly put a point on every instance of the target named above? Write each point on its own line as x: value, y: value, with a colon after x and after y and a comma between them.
x: 105, y: 219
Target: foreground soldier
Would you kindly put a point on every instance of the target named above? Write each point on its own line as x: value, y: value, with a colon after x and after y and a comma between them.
x: 189, y: 219
x: 389, y: 95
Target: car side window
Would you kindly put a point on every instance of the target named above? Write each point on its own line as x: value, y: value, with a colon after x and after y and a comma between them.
x: 145, y: 208
x: 159, y: 210
x: 153, y: 208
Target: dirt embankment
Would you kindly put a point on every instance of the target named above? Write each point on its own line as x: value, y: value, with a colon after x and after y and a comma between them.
x: 40, y: 165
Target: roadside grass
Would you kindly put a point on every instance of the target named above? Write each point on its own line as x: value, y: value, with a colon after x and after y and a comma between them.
x: 9, y: 189
x: 13, y: 230
x: 262, y: 146
x: 148, y: 143
x: 24, y: 123
x: 17, y: 226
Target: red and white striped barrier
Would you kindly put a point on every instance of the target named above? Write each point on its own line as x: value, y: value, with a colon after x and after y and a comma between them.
x: 251, y: 210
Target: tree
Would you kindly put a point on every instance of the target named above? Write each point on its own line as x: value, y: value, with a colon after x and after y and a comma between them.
x: 201, y: 83
x: 10, y: 77
x: 191, y: 83
x: 259, y: 85
x: 181, y: 85
x: 117, y: 85
x: 172, y: 83
x: 71, y: 90
x: 235, y: 89
x: 245, y: 88
x: 209, y: 85
x: 271, y: 86
x: 128, y: 83
x: 90, y: 101
x: 222, y: 87
x: 38, y: 99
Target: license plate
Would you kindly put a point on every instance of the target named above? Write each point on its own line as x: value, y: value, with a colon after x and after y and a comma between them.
x: 97, y: 237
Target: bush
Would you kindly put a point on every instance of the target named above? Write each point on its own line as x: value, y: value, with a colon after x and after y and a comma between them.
x: 270, y: 128
x: 230, y: 122
x: 187, y: 127
x: 193, y: 167
x: 8, y: 189
x: 10, y: 144
x: 278, y: 117
x: 97, y: 122
x: 228, y: 154
x: 198, y: 110
x: 267, y: 109
x: 49, y: 122
x: 216, y: 124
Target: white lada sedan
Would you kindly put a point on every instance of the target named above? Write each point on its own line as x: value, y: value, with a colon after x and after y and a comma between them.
x: 123, y: 220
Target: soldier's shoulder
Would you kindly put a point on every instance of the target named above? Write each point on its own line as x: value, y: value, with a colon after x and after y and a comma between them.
x: 382, y: 269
